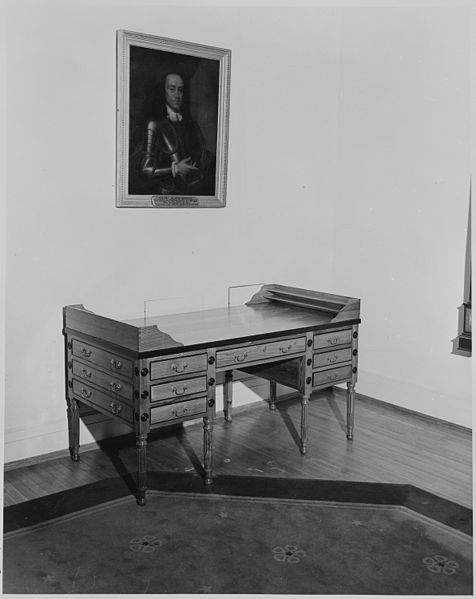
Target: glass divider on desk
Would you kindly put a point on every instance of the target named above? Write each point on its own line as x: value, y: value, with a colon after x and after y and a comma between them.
x: 236, y: 295
x: 240, y: 294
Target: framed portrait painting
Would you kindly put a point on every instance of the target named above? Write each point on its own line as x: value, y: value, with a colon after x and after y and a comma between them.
x: 172, y: 123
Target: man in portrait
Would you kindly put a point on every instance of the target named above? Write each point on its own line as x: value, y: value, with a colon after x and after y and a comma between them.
x: 174, y: 158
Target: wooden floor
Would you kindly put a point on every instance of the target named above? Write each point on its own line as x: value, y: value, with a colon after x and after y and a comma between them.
x: 389, y: 446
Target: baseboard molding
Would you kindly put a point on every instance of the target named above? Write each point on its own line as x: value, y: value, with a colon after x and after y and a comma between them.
x: 402, y: 410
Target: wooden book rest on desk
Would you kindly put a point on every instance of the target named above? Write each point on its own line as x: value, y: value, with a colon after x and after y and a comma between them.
x: 153, y: 372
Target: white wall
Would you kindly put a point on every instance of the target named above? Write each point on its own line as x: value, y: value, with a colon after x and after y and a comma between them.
x: 67, y: 243
x: 401, y: 204
x: 299, y: 209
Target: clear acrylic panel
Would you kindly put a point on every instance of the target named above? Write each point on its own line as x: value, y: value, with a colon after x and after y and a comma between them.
x: 162, y: 306
x: 235, y: 295
x: 240, y: 294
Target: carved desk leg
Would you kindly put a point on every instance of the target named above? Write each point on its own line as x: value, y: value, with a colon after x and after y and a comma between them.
x: 306, y: 389
x: 208, y: 448
x: 350, y: 409
x: 272, y: 395
x: 228, y: 395
x: 142, y: 426
x: 141, y: 451
x: 351, y: 384
x: 304, y: 422
x: 208, y: 419
x: 72, y: 405
x: 73, y: 428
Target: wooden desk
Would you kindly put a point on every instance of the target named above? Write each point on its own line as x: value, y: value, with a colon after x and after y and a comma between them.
x: 153, y: 372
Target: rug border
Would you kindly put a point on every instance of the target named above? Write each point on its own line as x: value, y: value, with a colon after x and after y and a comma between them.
x: 430, y: 522
x: 43, y: 509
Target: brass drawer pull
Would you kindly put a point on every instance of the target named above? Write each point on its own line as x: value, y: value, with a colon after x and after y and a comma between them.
x: 86, y: 373
x: 115, y: 408
x: 178, y: 412
x: 116, y: 364
x: 332, y: 376
x: 86, y: 352
x: 178, y: 370
x: 85, y: 393
x: 333, y: 358
x: 285, y: 350
x: 240, y: 358
x: 175, y: 391
x: 115, y: 386
x: 333, y: 340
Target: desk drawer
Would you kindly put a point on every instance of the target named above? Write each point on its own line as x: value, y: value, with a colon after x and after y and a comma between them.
x: 178, y: 388
x: 329, y: 358
x: 332, y: 338
x: 107, y: 381
x: 178, y: 365
x: 101, y: 400
x: 243, y: 355
x: 102, y: 358
x: 331, y: 376
x: 176, y: 411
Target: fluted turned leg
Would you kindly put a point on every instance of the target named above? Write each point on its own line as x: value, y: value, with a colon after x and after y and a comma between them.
x: 350, y: 410
x: 272, y: 395
x: 73, y: 429
x: 207, y: 448
x: 228, y: 395
x: 304, y: 422
x: 141, y: 452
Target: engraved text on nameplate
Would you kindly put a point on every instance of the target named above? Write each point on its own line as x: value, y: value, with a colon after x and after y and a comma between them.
x: 173, y: 201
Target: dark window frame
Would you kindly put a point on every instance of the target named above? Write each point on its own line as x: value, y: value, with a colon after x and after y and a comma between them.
x: 462, y: 344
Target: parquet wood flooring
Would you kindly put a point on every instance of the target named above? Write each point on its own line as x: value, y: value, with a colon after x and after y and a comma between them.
x: 390, y: 445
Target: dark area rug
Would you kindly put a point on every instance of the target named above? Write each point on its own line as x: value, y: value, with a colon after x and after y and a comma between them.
x: 244, y: 535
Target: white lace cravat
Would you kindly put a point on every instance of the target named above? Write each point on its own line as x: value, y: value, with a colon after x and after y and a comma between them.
x: 172, y: 115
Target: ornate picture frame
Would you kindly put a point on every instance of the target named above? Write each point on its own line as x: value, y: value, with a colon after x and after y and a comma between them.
x: 172, y: 123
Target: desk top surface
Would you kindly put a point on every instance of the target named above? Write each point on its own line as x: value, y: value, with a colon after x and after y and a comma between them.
x: 234, y: 323
x: 274, y: 311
